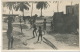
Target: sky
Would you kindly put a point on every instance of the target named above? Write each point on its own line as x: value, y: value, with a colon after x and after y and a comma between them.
x: 46, y: 12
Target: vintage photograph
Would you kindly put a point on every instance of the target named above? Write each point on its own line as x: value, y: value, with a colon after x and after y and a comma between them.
x: 40, y: 25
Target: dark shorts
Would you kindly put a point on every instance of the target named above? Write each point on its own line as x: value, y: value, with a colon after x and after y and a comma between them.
x: 40, y: 34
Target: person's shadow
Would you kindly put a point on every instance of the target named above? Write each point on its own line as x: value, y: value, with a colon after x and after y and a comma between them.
x: 30, y: 38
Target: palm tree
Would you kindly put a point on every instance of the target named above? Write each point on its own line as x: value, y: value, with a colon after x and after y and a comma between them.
x: 21, y: 6
x: 32, y: 7
x: 42, y: 5
x: 9, y: 5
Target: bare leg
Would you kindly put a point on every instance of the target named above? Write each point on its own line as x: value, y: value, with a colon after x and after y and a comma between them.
x: 41, y: 37
x: 36, y: 33
x: 38, y: 38
x: 12, y: 42
x: 8, y: 44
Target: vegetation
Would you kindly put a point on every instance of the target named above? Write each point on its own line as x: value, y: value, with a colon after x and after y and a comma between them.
x: 21, y: 6
x: 42, y: 5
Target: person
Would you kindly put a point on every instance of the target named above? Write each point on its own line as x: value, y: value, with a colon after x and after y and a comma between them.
x: 40, y: 33
x: 24, y: 19
x: 34, y: 30
x: 31, y: 23
x: 9, y: 33
x: 34, y: 18
x: 44, y: 25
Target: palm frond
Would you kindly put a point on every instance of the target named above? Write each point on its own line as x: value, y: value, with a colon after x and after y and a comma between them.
x: 26, y: 7
x: 39, y: 5
x: 9, y: 5
x: 22, y: 5
x: 42, y: 5
x: 27, y: 4
x: 17, y: 7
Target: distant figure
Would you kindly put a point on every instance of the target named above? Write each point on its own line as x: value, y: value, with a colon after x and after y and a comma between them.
x: 31, y: 23
x: 34, y: 18
x: 24, y: 19
x: 9, y: 33
x: 20, y: 23
x: 44, y: 25
x: 40, y: 33
x: 34, y: 30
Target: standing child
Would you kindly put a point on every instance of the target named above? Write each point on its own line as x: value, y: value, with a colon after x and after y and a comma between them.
x: 34, y: 30
x: 34, y: 18
x: 9, y: 33
x: 30, y: 23
x: 44, y: 25
x: 40, y: 33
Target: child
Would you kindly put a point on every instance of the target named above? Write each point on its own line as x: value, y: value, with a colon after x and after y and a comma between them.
x: 44, y: 25
x: 30, y: 23
x: 34, y: 30
x: 40, y: 33
x: 9, y: 33
x: 34, y: 18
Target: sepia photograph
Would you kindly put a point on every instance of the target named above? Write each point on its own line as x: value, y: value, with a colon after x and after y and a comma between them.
x: 40, y: 25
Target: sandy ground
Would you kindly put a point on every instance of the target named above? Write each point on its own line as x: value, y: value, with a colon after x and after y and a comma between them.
x: 26, y: 42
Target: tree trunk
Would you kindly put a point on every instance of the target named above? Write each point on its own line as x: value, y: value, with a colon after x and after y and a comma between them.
x: 32, y: 10
x: 41, y: 12
x: 12, y: 11
x: 13, y: 16
x: 58, y: 6
x: 71, y: 2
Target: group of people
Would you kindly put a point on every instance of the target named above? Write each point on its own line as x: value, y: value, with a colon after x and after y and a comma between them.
x: 40, y: 30
x: 36, y: 30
